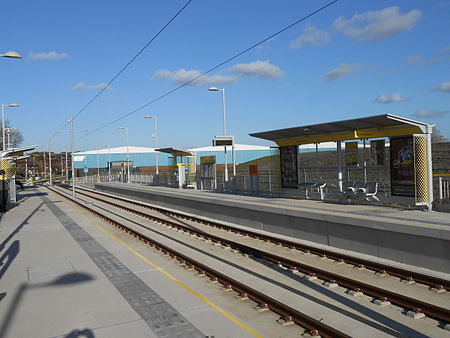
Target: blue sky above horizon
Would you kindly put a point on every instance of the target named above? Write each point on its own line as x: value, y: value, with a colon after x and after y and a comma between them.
x: 354, y: 59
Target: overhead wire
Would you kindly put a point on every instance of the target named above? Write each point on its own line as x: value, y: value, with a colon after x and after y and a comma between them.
x: 124, y: 67
x: 211, y: 69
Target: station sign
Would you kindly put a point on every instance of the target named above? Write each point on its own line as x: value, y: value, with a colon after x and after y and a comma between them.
x: 217, y: 143
x: 208, y: 159
x: 223, y: 141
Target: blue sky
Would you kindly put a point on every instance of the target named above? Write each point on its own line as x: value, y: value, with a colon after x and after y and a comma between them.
x: 354, y: 59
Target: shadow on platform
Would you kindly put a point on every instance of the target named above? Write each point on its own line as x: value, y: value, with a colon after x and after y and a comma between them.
x: 68, y: 279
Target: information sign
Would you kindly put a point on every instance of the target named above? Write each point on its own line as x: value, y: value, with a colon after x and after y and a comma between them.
x: 402, y: 166
x: 289, y: 166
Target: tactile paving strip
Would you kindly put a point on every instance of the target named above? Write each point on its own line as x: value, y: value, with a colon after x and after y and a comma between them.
x: 160, y: 316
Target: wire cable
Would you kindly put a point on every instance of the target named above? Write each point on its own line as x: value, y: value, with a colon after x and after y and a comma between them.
x: 211, y: 69
x: 126, y: 66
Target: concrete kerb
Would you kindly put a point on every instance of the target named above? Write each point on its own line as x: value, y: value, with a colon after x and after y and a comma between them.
x: 368, y: 236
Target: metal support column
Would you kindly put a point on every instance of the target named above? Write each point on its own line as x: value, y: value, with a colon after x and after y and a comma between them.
x: 339, y: 165
x: 430, y: 172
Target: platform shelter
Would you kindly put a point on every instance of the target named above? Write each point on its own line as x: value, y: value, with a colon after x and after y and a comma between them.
x: 181, y: 173
x: 409, y: 146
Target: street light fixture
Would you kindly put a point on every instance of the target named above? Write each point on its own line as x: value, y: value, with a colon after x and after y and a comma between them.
x: 128, y: 154
x: 215, y: 89
x: 12, y: 55
x: 8, y: 131
x: 155, y: 135
x: 3, y: 121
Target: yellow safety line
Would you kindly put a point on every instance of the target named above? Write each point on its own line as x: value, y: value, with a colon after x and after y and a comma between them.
x: 230, y: 317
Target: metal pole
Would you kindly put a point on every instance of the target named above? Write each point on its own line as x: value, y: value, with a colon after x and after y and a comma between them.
x: 67, y: 169
x: 364, y: 160
x: 8, y: 144
x: 317, y: 162
x: 339, y: 165
x: 156, y: 145
x: 430, y: 171
x: 3, y: 126
x: 98, y: 166
x: 233, y: 153
x: 62, y: 165
x: 128, y: 159
x: 72, y: 162
x: 85, y: 172
x: 45, y: 165
x: 26, y: 169
x: 225, y: 134
x: 109, y: 163
x: 50, y: 159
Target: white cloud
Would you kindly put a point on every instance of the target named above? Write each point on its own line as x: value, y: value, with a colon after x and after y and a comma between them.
x: 396, y: 97
x: 262, y: 69
x: 83, y: 86
x: 340, y: 71
x: 377, y: 25
x: 420, y: 60
x: 312, y: 36
x: 48, y: 56
x: 434, y: 113
x: 182, y: 76
x: 444, y: 87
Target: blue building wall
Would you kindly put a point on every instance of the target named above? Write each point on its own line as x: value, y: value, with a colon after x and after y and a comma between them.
x: 149, y: 159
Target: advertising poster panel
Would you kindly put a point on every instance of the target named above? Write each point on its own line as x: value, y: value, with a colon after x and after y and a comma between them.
x: 207, y: 166
x: 377, y: 148
x: 289, y: 167
x: 351, y: 153
x: 402, y: 166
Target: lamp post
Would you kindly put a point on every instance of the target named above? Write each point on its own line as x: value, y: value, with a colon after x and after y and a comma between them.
x: 215, y: 89
x: 3, y: 121
x: 50, y: 159
x: 8, y: 131
x: 128, y: 155
x: 155, y: 135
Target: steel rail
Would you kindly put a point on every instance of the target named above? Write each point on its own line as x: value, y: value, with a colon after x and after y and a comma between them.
x: 435, y: 282
x: 289, y: 314
x: 373, y: 291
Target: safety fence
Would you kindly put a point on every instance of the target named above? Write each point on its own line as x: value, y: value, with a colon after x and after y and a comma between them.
x: 441, y: 183
x: 268, y: 182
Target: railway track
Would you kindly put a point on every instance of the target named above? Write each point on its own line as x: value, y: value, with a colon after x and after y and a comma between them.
x: 172, y: 219
x: 289, y: 314
x: 381, y: 269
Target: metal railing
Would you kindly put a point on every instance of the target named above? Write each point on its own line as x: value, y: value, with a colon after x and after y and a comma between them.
x: 268, y: 183
x: 442, y: 192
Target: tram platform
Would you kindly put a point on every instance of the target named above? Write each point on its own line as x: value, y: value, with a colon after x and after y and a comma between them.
x: 391, y: 234
x: 61, y: 275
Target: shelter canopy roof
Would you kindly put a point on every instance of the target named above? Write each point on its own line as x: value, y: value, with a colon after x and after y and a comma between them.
x: 386, y: 125
x: 176, y: 151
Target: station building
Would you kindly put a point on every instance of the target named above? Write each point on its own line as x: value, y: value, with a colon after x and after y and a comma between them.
x: 144, y: 159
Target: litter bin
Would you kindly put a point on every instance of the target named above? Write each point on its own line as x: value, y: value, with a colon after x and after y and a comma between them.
x: 4, y: 193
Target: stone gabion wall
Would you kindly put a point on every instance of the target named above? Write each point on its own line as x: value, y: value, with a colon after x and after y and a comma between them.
x: 327, y: 166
